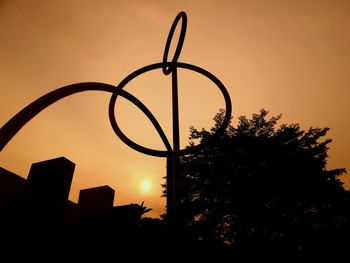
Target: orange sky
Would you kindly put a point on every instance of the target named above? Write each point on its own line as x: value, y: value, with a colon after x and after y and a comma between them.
x: 290, y: 57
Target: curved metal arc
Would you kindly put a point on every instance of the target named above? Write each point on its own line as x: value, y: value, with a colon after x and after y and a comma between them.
x: 10, y: 129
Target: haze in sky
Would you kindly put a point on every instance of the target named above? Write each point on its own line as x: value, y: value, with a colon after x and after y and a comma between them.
x: 290, y: 57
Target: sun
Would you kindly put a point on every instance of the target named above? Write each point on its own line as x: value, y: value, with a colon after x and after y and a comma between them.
x: 146, y: 186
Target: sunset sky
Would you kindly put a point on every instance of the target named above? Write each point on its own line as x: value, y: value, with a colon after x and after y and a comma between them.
x: 290, y: 57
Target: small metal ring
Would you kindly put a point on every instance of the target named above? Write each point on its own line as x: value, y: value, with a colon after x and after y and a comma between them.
x: 168, y: 68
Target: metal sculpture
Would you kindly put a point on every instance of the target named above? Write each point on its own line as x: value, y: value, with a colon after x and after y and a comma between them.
x: 172, y: 153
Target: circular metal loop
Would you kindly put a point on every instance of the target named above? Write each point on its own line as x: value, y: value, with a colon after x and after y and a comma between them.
x: 166, y: 67
x: 168, y: 152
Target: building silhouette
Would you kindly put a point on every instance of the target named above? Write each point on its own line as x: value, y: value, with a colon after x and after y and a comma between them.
x: 48, y: 186
x: 13, y: 189
x: 96, y: 200
x: 39, y: 207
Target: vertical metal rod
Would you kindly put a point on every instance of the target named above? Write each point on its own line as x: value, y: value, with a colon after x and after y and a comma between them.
x: 176, y: 148
x: 170, y: 191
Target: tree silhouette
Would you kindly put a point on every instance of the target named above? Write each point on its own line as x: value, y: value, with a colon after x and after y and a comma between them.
x: 263, y: 188
x: 143, y: 209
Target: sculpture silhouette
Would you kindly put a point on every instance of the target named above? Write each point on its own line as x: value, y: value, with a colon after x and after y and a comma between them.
x: 172, y: 153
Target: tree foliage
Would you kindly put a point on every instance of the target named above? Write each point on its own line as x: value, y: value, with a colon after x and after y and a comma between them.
x: 264, y: 187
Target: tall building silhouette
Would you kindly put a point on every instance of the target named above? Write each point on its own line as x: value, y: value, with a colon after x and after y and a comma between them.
x: 50, y: 181
x: 49, y: 184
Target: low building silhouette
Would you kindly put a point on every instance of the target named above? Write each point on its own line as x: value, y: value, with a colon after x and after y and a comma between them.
x: 95, y: 211
x: 127, y: 215
x: 12, y: 190
x: 96, y: 200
